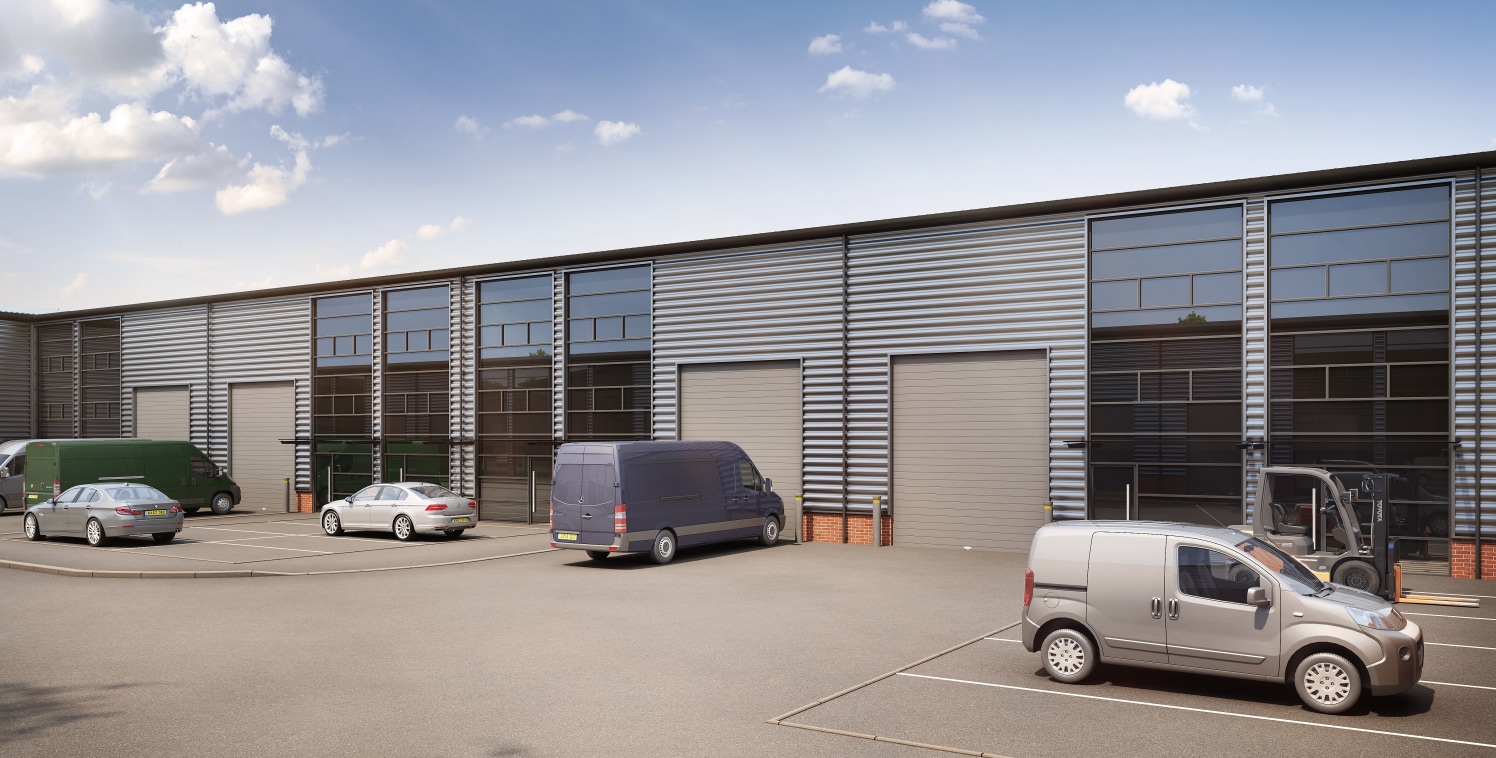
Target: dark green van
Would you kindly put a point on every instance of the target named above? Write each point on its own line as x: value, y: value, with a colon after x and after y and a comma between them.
x: 178, y: 469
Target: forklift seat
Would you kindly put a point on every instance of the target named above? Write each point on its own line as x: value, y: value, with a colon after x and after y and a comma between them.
x: 1281, y: 525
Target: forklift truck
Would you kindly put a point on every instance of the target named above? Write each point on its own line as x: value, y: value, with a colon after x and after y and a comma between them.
x: 1332, y: 544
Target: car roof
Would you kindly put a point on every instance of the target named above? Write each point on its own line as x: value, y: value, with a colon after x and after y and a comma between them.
x: 1173, y: 528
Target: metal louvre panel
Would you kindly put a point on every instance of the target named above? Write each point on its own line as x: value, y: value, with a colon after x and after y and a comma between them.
x: 1254, y: 344
x: 462, y: 381
x: 166, y: 348
x: 376, y: 382
x: 558, y: 353
x: 1474, y: 345
x: 15, y: 380
x: 976, y: 287
x: 773, y: 303
x: 303, y: 481
x: 56, y: 342
x: 254, y: 342
x: 1487, y: 357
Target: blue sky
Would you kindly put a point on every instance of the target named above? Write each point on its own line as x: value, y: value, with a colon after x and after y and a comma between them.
x: 266, y: 142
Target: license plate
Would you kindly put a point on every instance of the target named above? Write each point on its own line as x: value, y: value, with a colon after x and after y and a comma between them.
x: 155, y: 513
x: 568, y: 536
x: 462, y: 520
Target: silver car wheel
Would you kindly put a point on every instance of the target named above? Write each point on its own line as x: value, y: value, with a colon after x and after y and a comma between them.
x: 33, y: 529
x: 1327, y: 683
x: 330, y: 523
x: 403, y: 528
x: 95, y: 532
x: 1066, y: 656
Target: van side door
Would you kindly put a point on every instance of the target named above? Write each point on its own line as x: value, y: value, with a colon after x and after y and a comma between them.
x: 1124, y: 595
x: 746, y: 500
x: 1211, y: 626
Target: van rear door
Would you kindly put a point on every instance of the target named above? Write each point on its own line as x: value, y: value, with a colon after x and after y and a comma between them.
x: 584, y: 495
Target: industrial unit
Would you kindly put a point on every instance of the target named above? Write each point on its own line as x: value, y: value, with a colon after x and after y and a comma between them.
x: 1138, y: 356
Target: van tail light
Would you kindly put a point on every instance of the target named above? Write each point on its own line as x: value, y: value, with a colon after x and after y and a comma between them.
x: 550, y: 520
x: 1028, y: 587
x: 437, y: 507
x: 125, y: 510
x: 620, y: 519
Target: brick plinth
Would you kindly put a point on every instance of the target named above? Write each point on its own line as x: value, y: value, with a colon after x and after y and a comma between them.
x: 827, y: 527
x: 305, y: 503
x: 1462, y: 559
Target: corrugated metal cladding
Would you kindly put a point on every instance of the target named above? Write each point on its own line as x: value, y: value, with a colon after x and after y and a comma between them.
x: 462, y: 396
x: 258, y: 341
x: 303, y: 481
x: 558, y: 353
x: 1474, y: 360
x: 166, y: 348
x: 376, y: 381
x: 987, y: 287
x: 15, y: 380
x: 1254, y: 344
x: 772, y: 303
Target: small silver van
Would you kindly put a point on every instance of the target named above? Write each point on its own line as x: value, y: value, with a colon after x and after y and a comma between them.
x: 1208, y: 600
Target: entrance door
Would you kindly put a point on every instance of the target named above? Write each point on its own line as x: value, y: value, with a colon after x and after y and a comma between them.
x: 1210, y: 624
x: 1114, y: 492
x: 1125, y: 586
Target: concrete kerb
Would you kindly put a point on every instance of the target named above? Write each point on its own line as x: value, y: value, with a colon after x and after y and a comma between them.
x: 241, y: 574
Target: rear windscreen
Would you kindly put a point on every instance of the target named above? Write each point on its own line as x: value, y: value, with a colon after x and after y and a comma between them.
x: 138, y: 493
x: 589, y: 483
x: 433, y: 492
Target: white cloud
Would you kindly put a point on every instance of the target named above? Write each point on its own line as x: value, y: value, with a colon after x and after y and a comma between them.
x: 32, y: 65
x: 858, y: 84
x: 614, y: 132
x: 388, y: 255
x: 953, y: 10
x: 392, y: 253
x: 74, y: 287
x: 95, y: 189
x: 459, y: 223
x: 268, y: 186
x: 431, y: 231
x: 38, y: 138
x: 1160, y: 100
x: 953, y: 27
x: 293, y: 140
x: 233, y: 58
x: 874, y: 27
x: 1247, y: 93
x: 333, y: 140
x: 826, y: 45
x: 537, y: 121
x: 925, y: 43
x: 205, y: 169
x: 468, y: 125
x: 568, y: 116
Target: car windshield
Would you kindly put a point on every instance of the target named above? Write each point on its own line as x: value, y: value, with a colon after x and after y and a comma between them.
x: 1284, y: 565
x: 138, y: 492
x: 432, y: 492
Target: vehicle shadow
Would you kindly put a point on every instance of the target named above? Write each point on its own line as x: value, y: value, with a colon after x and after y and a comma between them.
x: 635, y: 561
x: 30, y: 710
x: 1416, y: 701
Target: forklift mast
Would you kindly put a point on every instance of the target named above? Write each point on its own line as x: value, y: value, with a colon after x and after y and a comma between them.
x: 1374, y: 489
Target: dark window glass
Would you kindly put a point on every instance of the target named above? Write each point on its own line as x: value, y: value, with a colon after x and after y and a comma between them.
x: 1412, y: 416
x: 1115, y: 387
x: 1217, y: 288
x: 1428, y: 380
x: 611, y: 346
x: 428, y: 297
x: 1171, y: 385
x: 327, y: 327
x: 610, y: 305
x: 1107, y: 296
x: 415, y: 341
x: 581, y: 329
x: 1215, y: 418
x: 610, y: 280
x: 1292, y: 283
x: 1358, y: 279
x: 1217, y: 385
x: 1418, y: 345
x: 636, y: 327
x: 1361, y: 244
x: 1338, y: 211
x: 439, y: 339
x: 1421, y: 275
x: 1174, y: 290
x: 609, y: 328
x: 1350, y: 381
x: 1361, y: 306
x: 515, y: 289
x: 1174, y: 259
x: 505, y: 313
x: 343, y: 306
x: 324, y: 346
x: 363, y: 344
x: 406, y: 320
x: 517, y: 334
x: 343, y: 346
x: 1204, y: 314
x: 1214, y: 575
x: 1165, y: 228
x: 1353, y: 347
x: 395, y: 342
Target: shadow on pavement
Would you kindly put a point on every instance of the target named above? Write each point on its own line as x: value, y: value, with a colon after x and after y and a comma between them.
x: 30, y: 710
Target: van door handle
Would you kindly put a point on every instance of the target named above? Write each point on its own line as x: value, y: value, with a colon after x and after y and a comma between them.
x: 586, y: 515
x: 1173, y: 608
x: 1156, y: 607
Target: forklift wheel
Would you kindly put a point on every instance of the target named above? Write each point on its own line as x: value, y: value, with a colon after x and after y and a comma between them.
x: 1358, y: 575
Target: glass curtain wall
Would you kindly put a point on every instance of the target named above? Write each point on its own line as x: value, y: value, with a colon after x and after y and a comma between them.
x: 415, y: 385
x: 1166, y: 359
x: 515, y: 338
x: 608, y: 354
x: 342, y: 388
x: 1359, y: 351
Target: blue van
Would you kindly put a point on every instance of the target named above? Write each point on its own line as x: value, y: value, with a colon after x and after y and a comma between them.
x: 652, y: 497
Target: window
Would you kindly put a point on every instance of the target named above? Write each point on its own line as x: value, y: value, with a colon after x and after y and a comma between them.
x: 515, y: 318
x: 1179, y: 269
x: 586, y: 483
x: 368, y: 493
x: 17, y: 465
x: 433, y: 493
x: 608, y: 351
x: 203, y: 467
x: 416, y: 325
x: 341, y: 404
x: 343, y: 330
x: 749, y: 478
x: 1214, y: 575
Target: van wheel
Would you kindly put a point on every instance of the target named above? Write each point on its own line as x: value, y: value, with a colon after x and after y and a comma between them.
x: 1327, y: 683
x: 94, y: 533
x: 664, y: 547
x: 598, y: 555
x: 331, y: 524
x: 405, y: 529
x: 1069, y: 656
x: 1358, y: 575
x: 222, y: 503
x: 32, y: 528
x: 770, y: 533
x: 162, y: 538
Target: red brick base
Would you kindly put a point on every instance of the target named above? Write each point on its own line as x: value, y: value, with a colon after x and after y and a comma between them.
x: 827, y: 527
x: 1462, y: 559
x: 305, y: 503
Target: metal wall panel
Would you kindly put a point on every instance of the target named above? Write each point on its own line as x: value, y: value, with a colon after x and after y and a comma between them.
x: 987, y: 287
x: 1254, y: 345
x: 257, y: 341
x: 16, y: 371
x: 558, y: 355
x: 376, y: 384
x: 166, y: 349
x: 1474, y: 358
x: 303, y: 481
x: 758, y: 304
x: 462, y: 392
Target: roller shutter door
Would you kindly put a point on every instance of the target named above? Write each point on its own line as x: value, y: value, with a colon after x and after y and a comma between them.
x: 757, y: 406
x: 162, y: 413
x: 970, y: 449
x: 261, y: 415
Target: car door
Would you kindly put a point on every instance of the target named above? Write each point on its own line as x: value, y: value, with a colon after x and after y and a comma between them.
x: 359, y: 504
x: 77, y: 510
x: 1124, y: 595
x: 382, y: 508
x: 52, y: 514
x: 1210, y: 624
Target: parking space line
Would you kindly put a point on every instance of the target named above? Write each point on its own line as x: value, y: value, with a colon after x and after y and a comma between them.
x: 1469, y: 647
x: 268, y: 547
x: 1001, y: 639
x: 1452, y: 684
x: 1083, y: 696
x: 1450, y: 616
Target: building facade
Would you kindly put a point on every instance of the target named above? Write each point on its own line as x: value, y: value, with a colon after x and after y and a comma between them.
x: 1137, y: 356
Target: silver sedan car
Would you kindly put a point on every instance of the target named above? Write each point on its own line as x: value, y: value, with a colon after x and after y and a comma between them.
x: 97, y: 512
x: 405, y: 508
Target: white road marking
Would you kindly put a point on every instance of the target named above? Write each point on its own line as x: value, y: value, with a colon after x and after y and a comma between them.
x: 1000, y: 639
x: 1448, y: 616
x: 266, y: 547
x: 1200, y: 710
x: 1452, y: 684
x: 1471, y: 647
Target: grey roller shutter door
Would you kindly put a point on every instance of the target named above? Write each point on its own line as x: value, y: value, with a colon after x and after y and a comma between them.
x: 261, y: 415
x: 163, y: 413
x: 970, y: 449
x: 757, y: 406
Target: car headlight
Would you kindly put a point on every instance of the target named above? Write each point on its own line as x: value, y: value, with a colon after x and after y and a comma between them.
x: 1387, y: 620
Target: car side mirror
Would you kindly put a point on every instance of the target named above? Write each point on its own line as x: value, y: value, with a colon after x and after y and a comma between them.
x: 768, y: 484
x: 4, y: 472
x: 1258, y: 596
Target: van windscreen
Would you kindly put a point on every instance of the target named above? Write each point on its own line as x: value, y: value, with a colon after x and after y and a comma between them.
x: 588, y: 483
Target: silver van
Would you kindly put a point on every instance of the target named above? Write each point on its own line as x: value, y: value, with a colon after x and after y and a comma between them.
x: 13, y: 475
x: 1208, y: 600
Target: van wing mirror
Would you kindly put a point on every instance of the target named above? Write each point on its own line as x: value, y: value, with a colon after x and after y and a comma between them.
x: 4, y: 472
x: 1258, y: 596
x: 768, y: 484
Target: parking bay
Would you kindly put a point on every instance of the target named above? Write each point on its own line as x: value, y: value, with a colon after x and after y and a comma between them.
x: 992, y: 697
